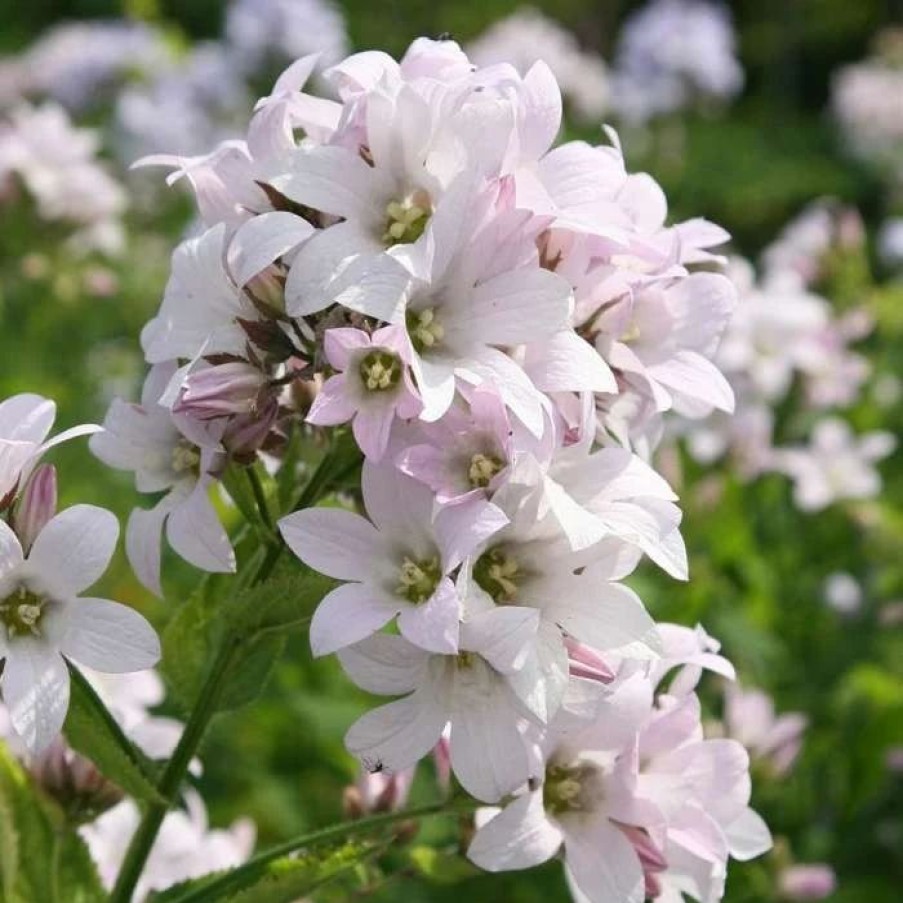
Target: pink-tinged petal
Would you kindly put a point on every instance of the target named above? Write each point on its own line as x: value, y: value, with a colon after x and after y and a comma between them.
x: 348, y: 615
x: 262, y: 240
x: 424, y: 463
x: 542, y: 111
x: 373, y: 284
x: 399, y: 734
x: 35, y: 685
x: 606, y: 616
x: 433, y: 625
x: 74, y: 549
x: 689, y: 374
x: 748, y: 836
x: 385, y: 664
x: 340, y: 343
x: 541, y: 682
x: 11, y: 554
x: 627, y: 706
x: 462, y: 528
x: 519, y: 837
x: 334, y: 542
x: 143, y: 544
x: 567, y: 363
x: 501, y: 635
x: 488, y: 753
x: 195, y: 532
x: 400, y: 507
x: 14, y: 457
x: 514, y: 308
x: 110, y: 637
x: 602, y: 863
x: 333, y: 404
x: 371, y: 428
x: 319, y: 261
x: 519, y: 394
x: 338, y: 181
x: 436, y: 384
x: 26, y: 418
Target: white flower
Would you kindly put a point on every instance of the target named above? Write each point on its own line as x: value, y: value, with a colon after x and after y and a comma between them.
x: 43, y: 619
x: 166, y: 452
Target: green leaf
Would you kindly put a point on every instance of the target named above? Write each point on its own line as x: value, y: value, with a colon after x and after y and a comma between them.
x: 281, y: 881
x: 42, y: 858
x: 92, y: 731
x: 439, y: 866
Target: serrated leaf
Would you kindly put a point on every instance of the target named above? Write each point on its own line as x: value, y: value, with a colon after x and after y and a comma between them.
x: 280, y: 881
x: 91, y: 731
x: 51, y: 862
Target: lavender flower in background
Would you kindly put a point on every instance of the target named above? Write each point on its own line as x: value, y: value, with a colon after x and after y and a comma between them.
x: 80, y: 64
x: 527, y: 36
x: 261, y: 33
x: 185, y: 108
x: 672, y: 55
x: 814, y: 881
x: 58, y: 166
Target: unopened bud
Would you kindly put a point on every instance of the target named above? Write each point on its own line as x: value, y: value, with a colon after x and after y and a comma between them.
x: 221, y: 391
x: 267, y: 291
x: 74, y: 782
x: 651, y: 858
x: 36, y: 506
x: 247, y: 433
x: 585, y: 662
x: 442, y: 761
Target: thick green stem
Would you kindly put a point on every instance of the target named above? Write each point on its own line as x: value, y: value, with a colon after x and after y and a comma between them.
x: 231, y: 881
x: 176, y: 769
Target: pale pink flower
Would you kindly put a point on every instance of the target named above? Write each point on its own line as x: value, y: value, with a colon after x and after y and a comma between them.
x: 398, y: 562
x: 807, y: 882
x: 373, y: 386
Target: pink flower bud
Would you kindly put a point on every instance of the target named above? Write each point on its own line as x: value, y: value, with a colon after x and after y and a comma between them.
x: 442, y: 761
x: 651, y: 859
x: 221, y: 391
x: 378, y: 791
x: 246, y: 433
x: 37, y: 505
x: 807, y: 882
x: 587, y: 663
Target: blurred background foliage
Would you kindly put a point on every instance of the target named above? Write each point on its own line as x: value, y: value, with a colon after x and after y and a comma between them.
x: 758, y: 565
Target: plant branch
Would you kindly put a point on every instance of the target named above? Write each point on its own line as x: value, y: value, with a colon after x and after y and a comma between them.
x: 231, y: 881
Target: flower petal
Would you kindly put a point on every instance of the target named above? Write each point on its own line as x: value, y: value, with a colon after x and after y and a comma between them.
x: 74, y: 549
x: 348, y: 615
x: 434, y: 624
x: 195, y: 532
x: 110, y: 637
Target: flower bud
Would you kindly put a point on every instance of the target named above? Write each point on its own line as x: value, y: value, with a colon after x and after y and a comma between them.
x: 221, y: 391
x: 247, y: 433
x: 587, y: 663
x: 651, y: 859
x: 74, y: 782
x: 37, y: 505
x: 807, y: 882
x: 267, y: 291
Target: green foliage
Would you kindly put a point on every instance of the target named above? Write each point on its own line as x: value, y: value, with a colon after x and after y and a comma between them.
x: 91, y: 731
x: 41, y: 857
x: 281, y: 881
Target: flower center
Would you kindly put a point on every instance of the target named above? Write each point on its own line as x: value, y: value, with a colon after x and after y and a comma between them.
x: 498, y: 573
x: 406, y: 219
x: 571, y: 788
x: 380, y: 370
x: 417, y: 580
x: 22, y: 612
x: 423, y: 328
x: 482, y: 469
x: 186, y: 458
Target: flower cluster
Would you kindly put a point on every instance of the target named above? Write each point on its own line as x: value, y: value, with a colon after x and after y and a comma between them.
x: 47, y: 560
x: 503, y: 325
x: 785, y: 335
x: 673, y: 54
x: 56, y: 163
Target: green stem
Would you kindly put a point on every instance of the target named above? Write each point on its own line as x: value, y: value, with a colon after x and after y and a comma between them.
x: 231, y: 881
x: 206, y: 706
x: 260, y: 497
x: 176, y: 769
